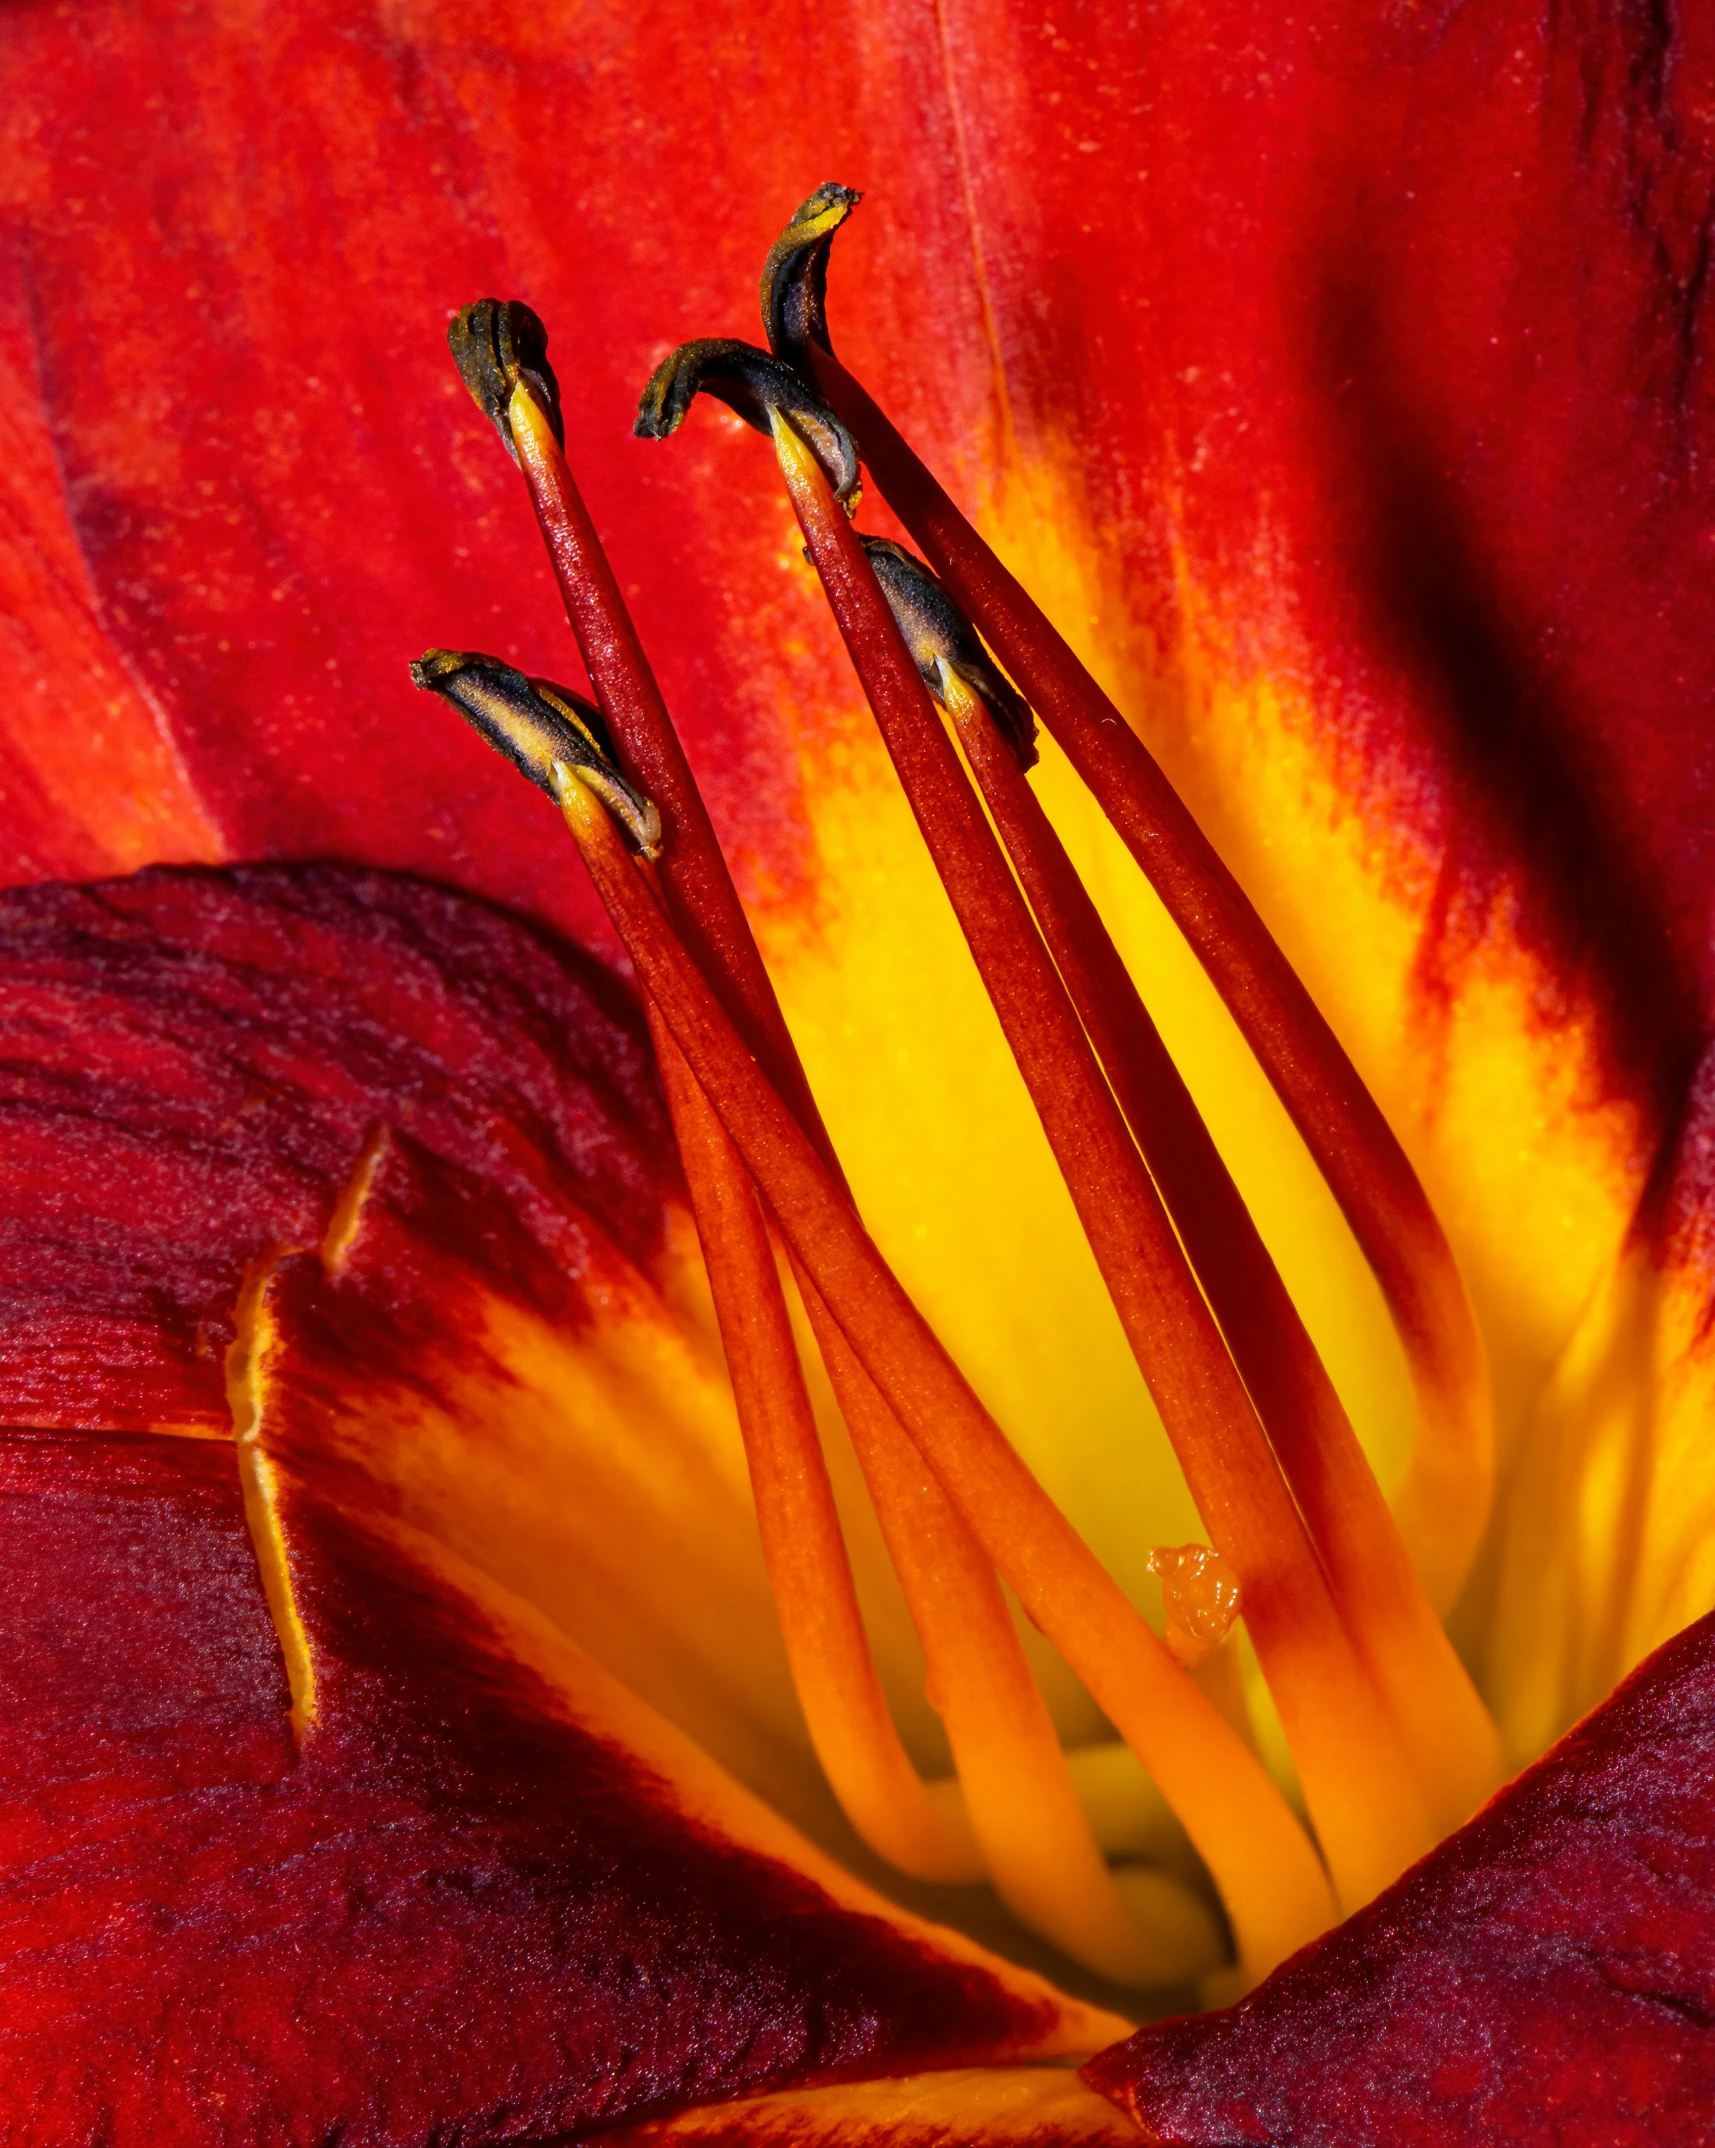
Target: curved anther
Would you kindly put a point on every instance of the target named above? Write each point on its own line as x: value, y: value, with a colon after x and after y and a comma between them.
x: 755, y: 385
x: 541, y: 729
x: 795, y: 275
x: 941, y: 640
x: 496, y: 343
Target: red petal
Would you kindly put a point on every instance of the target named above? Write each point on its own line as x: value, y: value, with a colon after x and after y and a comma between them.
x: 461, y: 1911
x: 490, y: 1895
x: 193, y: 1063
x: 1547, y: 1974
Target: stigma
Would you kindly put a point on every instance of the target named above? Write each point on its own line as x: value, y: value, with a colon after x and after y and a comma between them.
x: 1337, y: 1595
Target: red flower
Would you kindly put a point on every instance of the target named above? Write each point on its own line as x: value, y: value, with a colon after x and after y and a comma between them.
x: 1338, y: 386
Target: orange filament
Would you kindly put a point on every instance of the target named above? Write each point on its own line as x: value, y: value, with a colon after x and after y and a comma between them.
x: 1443, y: 1499
x: 1018, y: 1793
x: 1261, y: 1860
x: 808, y: 1571
x: 1201, y: 1596
x: 1369, y: 1815
x: 1023, y: 1809
x: 1448, y: 1734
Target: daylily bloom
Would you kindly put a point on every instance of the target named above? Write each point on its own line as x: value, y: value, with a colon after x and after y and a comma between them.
x: 406, y: 1747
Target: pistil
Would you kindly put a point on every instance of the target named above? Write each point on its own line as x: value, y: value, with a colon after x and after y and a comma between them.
x: 1443, y: 1499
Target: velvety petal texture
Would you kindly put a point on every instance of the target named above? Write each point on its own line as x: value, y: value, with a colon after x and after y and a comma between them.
x: 485, y: 1897
x: 194, y: 1063
x: 315, y: 1818
x: 1547, y: 1974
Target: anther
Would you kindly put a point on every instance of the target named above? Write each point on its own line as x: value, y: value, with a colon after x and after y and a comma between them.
x: 941, y: 641
x: 496, y: 343
x: 795, y: 275
x: 760, y: 389
x: 539, y: 727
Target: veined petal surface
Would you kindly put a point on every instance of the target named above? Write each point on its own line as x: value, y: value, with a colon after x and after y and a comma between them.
x: 327, y: 1528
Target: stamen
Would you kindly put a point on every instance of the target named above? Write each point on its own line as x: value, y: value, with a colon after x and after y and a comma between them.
x: 795, y: 275
x: 496, y: 344
x: 1039, y: 1849
x: 694, y: 873
x: 538, y: 727
x: 1369, y: 1817
x: 944, y: 649
x: 1023, y: 1811
x: 762, y: 391
x: 1443, y: 1499
x: 809, y: 1574
x: 1448, y: 1734
x: 1260, y: 1859
x: 849, y: 1722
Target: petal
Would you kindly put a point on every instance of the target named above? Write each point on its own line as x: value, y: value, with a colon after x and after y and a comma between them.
x: 309, y: 1777
x: 1604, y: 1544
x: 1039, y: 2107
x: 1547, y: 1974
x: 211, y: 1076
x: 488, y: 1894
x: 194, y: 1063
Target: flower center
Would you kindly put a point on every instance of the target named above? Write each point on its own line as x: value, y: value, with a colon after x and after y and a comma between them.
x: 1391, y: 1744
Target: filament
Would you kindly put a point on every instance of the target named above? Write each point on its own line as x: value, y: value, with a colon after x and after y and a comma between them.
x: 1018, y: 1795
x: 1391, y: 1743
x: 1269, y: 1876
x: 1368, y: 1813
x: 1443, y: 1499
x: 808, y: 1571
x: 1449, y: 1737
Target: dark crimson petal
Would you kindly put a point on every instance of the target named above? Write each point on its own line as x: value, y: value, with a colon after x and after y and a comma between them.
x: 492, y: 1894
x: 464, y: 1911
x: 191, y: 1064
x: 1546, y: 1975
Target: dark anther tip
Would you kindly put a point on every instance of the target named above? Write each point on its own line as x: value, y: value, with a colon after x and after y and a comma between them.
x: 496, y: 343
x: 752, y: 383
x: 795, y: 276
x: 937, y: 632
x: 536, y: 724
